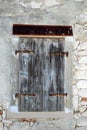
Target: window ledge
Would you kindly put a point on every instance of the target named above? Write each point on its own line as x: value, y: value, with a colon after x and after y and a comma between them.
x: 37, y: 115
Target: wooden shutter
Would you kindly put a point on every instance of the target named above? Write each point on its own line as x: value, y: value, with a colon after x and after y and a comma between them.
x: 41, y: 74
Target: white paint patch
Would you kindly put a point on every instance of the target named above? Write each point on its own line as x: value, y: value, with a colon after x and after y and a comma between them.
x: 35, y: 5
x: 23, y: 5
x: 70, y: 39
x: 49, y: 3
x: 79, y: 0
x: 82, y: 84
x: 67, y: 110
x: 14, y: 108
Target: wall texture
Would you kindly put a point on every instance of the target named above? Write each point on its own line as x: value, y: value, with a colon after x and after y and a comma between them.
x: 56, y: 12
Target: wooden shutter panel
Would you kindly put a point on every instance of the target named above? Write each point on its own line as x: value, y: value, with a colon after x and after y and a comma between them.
x: 41, y: 74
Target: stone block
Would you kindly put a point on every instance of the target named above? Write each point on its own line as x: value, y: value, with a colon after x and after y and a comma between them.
x: 82, y: 92
x: 50, y: 3
x: 80, y: 128
x: 82, y: 121
x: 7, y: 121
x: 83, y: 40
x: 81, y: 53
x: 75, y: 90
x: 85, y: 128
x: 1, y: 126
x: 36, y: 5
x: 81, y: 84
x: 83, y: 103
x: 84, y: 114
x: 78, y: 0
x: 81, y: 67
x: 82, y: 108
x: 80, y: 75
x: 75, y: 102
x: 83, y: 17
x: 20, y: 126
x: 4, y: 114
x: 83, y: 60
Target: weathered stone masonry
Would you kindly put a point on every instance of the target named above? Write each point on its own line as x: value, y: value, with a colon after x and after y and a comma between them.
x: 55, y: 12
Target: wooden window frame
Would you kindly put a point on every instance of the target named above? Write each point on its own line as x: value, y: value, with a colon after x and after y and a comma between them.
x: 42, y: 115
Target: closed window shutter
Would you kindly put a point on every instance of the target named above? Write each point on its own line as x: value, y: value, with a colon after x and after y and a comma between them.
x: 41, y: 74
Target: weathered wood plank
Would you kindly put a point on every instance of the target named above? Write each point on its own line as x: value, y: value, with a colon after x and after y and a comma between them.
x: 60, y: 85
x: 37, y: 74
x: 56, y: 73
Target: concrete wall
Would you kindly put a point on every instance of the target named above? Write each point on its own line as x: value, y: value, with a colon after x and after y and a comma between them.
x: 56, y: 12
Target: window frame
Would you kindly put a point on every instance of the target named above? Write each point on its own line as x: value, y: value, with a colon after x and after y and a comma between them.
x: 57, y: 114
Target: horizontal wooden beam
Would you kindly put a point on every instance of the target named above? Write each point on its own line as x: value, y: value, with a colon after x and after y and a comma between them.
x: 41, y: 30
x: 59, y: 53
x: 21, y: 95
x: 59, y: 95
x: 23, y: 51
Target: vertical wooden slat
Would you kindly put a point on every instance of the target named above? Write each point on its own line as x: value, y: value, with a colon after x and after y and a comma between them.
x: 25, y: 86
x: 53, y: 72
x: 60, y: 82
x: 57, y: 75
x: 45, y: 71
x: 23, y: 76
x: 37, y: 74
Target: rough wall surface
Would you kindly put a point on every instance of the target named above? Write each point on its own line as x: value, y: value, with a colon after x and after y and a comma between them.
x: 56, y: 12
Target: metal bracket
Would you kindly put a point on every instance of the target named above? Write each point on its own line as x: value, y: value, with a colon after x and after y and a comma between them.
x: 58, y: 95
x: 21, y: 95
x: 59, y: 53
x: 23, y: 51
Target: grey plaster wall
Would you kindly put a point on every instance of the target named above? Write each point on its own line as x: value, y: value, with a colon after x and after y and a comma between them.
x: 56, y: 12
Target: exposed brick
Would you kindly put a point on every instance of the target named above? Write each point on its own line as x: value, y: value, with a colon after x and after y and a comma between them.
x: 84, y: 99
x: 1, y: 112
x: 28, y: 120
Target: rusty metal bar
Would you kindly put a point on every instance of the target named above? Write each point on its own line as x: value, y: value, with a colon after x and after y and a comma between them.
x: 60, y: 95
x: 59, y: 53
x: 23, y: 51
x: 28, y: 120
x: 20, y: 95
x: 41, y: 30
